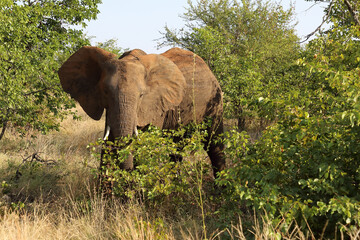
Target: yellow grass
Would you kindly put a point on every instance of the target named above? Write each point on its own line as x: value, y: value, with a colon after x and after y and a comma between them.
x: 77, y: 222
x: 70, y: 142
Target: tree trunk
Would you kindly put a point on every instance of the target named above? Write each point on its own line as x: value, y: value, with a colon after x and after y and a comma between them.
x: 4, y: 125
x: 241, y: 124
x: 241, y: 120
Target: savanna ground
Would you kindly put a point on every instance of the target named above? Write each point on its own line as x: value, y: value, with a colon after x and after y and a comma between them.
x: 48, y: 191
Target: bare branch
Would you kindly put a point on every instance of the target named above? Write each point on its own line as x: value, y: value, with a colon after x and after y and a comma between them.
x: 325, y: 18
x: 35, y: 157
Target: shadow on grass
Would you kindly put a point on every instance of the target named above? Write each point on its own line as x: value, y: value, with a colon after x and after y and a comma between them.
x: 34, y: 178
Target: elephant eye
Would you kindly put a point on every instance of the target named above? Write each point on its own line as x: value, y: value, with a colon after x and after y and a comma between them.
x: 141, y: 95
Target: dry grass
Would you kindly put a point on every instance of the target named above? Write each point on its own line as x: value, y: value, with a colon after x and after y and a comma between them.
x: 70, y: 141
x: 61, y: 201
x: 67, y: 161
x: 78, y: 221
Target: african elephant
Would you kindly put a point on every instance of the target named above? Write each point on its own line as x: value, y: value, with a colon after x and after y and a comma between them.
x: 138, y: 89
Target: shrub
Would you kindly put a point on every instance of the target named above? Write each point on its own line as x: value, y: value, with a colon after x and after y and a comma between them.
x: 303, y: 168
x: 159, y: 177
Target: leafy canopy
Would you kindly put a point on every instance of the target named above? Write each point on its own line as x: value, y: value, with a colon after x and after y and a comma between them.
x: 248, y: 45
x: 35, y: 36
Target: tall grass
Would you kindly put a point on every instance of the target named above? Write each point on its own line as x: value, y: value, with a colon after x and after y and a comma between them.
x: 55, y: 198
x: 73, y: 219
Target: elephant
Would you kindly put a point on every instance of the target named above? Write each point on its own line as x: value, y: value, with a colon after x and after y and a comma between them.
x: 165, y: 90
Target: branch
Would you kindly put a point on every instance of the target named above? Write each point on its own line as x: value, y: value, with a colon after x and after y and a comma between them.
x: 33, y: 157
x: 325, y: 18
x: 352, y: 11
x: 30, y: 3
x: 37, y: 91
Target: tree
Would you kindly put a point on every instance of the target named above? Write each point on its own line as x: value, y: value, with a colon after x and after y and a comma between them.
x: 35, y: 36
x: 345, y: 11
x: 306, y: 165
x: 248, y: 45
x: 110, y: 45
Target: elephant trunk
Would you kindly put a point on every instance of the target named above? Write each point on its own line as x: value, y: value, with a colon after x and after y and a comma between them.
x: 122, y: 123
x: 128, y: 162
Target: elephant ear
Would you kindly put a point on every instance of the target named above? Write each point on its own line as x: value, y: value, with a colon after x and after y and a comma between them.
x: 165, y: 89
x: 80, y: 76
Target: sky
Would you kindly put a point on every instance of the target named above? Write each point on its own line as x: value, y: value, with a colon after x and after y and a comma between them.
x: 138, y: 23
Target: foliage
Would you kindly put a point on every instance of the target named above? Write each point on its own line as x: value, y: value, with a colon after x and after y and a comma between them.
x: 160, y: 177
x: 111, y: 46
x: 300, y: 169
x: 159, y: 174
x: 59, y: 201
x: 306, y: 166
x: 36, y: 36
x: 249, y: 45
x: 343, y: 12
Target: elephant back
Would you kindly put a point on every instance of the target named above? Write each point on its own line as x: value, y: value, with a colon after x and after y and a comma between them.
x: 203, y: 92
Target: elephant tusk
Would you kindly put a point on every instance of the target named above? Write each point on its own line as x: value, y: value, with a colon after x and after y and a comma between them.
x: 136, y: 131
x: 107, y: 132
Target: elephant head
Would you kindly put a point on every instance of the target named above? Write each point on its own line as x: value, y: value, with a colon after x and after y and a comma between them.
x: 136, y: 89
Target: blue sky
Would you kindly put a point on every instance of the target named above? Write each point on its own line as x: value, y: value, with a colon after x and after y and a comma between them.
x: 138, y: 23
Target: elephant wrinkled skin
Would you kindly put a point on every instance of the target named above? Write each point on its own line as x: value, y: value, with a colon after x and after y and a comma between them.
x: 138, y: 89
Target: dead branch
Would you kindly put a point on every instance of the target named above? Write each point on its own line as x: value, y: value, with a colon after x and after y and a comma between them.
x: 35, y: 157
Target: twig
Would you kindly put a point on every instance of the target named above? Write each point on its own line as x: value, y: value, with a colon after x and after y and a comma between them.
x: 33, y: 157
x: 323, y: 231
x: 37, y: 91
x: 307, y: 224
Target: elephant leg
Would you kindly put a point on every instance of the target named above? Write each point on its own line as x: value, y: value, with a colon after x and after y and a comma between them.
x: 215, y: 149
x: 110, y: 162
x: 217, y: 157
x: 177, y: 157
x: 108, y: 154
x: 105, y: 185
x: 171, y: 122
x: 127, y: 164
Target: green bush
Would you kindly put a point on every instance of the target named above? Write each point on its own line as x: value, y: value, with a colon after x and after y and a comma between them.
x: 303, y: 168
x: 157, y: 178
